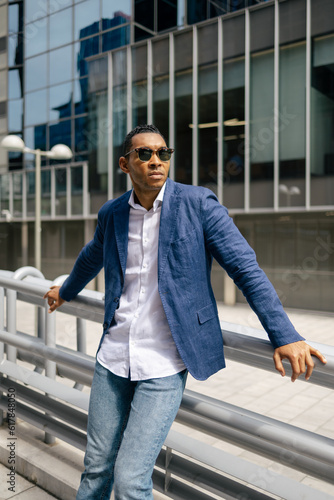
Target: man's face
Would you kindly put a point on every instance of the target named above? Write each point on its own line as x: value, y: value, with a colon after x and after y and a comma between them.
x: 146, y: 176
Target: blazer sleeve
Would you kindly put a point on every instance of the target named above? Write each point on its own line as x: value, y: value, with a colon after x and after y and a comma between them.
x: 87, y: 266
x: 233, y: 253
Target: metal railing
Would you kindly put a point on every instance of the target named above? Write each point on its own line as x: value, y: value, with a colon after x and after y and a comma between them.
x: 186, y: 468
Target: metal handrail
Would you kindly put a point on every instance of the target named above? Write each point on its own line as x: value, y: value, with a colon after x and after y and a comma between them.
x: 66, y: 417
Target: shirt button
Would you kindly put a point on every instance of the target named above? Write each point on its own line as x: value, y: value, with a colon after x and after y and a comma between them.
x: 142, y: 291
x: 136, y: 315
x: 145, y: 265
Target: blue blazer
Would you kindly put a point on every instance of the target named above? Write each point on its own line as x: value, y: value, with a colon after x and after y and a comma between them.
x: 194, y: 229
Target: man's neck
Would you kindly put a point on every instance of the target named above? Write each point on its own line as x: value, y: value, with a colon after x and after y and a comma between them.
x: 144, y: 200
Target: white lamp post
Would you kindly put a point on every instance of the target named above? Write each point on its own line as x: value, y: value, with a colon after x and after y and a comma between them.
x: 58, y: 152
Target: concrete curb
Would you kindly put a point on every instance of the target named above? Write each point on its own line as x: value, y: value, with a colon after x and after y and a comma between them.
x: 54, y: 468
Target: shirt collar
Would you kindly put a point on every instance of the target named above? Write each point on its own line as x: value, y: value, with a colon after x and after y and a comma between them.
x: 156, y: 204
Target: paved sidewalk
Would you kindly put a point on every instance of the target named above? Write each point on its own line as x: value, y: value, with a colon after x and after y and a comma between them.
x: 301, y: 404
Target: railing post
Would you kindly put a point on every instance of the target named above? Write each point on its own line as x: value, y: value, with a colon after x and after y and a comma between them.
x: 11, y: 322
x: 81, y: 343
x: 168, y: 475
x: 50, y: 366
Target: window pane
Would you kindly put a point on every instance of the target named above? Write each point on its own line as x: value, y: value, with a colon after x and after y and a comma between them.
x: 111, y: 9
x: 61, y: 185
x: 61, y: 64
x: 15, y: 17
x: 183, y: 50
x: 322, y: 122
x: 15, y: 50
x: 80, y: 96
x: 86, y: 19
x: 234, y: 133
x: 116, y: 38
x: 15, y: 115
x: 34, y: 10
x: 85, y: 48
x: 17, y: 192
x: 46, y: 192
x: 35, y: 107
x: 76, y: 190
x: 36, y: 73
x: 15, y: 83
x: 34, y: 138
x: 208, y: 44
x: 61, y: 28
x: 262, y: 130
x: 144, y: 13
x: 139, y: 86
x: 207, y: 128
x: 161, y: 105
x: 35, y: 40
x: 292, y: 119
x: 60, y: 98
x: 60, y: 133
x: 183, y: 130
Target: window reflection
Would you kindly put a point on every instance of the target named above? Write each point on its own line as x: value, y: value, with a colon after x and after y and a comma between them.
x: 15, y: 115
x: 183, y: 130
x: 35, y: 107
x: 86, y: 19
x: 115, y: 38
x: 36, y: 38
x: 34, y: 138
x: 15, y: 50
x: 111, y: 7
x: 60, y: 133
x: 15, y: 17
x: 80, y: 96
x: 292, y: 125
x: 60, y: 65
x: 84, y: 49
x: 234, y: 133
x: 322, y: 122
x: 35, y: 72
x: 15, y: 83
x: 60, y: 98
x: 207, y: 128
x: 60, y: 28
x: 262, y: 130
x: 35, y: 10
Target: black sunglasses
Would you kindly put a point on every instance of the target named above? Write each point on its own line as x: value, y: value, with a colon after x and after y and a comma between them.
x: 145, y: 154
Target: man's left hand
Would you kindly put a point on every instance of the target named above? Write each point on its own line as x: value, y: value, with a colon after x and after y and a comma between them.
x: 299, y: 355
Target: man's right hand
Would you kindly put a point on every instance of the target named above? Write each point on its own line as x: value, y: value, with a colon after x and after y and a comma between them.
x: 54, y: 299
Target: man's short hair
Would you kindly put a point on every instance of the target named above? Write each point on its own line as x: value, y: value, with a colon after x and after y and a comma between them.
x: 140, y: 129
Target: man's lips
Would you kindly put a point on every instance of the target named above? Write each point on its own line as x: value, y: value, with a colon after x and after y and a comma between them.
x: 156, y: 173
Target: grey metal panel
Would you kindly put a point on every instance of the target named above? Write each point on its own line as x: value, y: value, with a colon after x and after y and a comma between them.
x: 292, y: 21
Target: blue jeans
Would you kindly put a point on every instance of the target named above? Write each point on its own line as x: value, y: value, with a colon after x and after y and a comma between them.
x: 128, y: 423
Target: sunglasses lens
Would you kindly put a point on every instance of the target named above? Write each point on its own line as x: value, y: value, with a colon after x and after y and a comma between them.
x: 165, y: 154
x: 144, y: 154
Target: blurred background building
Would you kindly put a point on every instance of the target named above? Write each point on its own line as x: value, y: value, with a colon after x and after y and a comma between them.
x: 242, y: 89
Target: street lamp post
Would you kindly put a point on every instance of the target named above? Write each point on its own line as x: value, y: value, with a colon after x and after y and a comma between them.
x: 58, y: 152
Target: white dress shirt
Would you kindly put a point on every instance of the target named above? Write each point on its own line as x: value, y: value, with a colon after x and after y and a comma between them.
x: 140, y: 344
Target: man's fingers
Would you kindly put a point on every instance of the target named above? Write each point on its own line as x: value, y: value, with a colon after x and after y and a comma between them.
x: 278, y: 364
x: 318, y: 354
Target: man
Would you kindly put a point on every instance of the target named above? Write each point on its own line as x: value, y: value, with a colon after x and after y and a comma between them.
x: 156, y: 244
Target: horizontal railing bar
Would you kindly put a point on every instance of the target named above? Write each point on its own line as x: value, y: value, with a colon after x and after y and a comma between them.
x: 45, y: 384
x: 63, y: 371
x: 48, y: 424
x: 212, y: 481
x: 234, y: 466
x: 256, y: 445
x: 43, y: 402
x: 77, y: 359
x: 280, y: 433
x: 177, y: 489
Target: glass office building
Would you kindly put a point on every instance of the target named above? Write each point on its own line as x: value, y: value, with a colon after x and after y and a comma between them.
x: 243, y: 90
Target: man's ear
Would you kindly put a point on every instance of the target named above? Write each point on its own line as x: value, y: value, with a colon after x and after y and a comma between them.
x: 123, y: 163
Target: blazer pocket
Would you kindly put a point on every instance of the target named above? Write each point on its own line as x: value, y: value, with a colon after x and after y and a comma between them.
x: 206, y: 313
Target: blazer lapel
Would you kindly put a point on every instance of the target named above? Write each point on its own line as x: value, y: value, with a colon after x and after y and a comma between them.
x: 121, y: 225
x: 169, y: 211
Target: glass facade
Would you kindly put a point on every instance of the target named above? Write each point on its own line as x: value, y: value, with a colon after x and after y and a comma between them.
x: 246, y: 100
